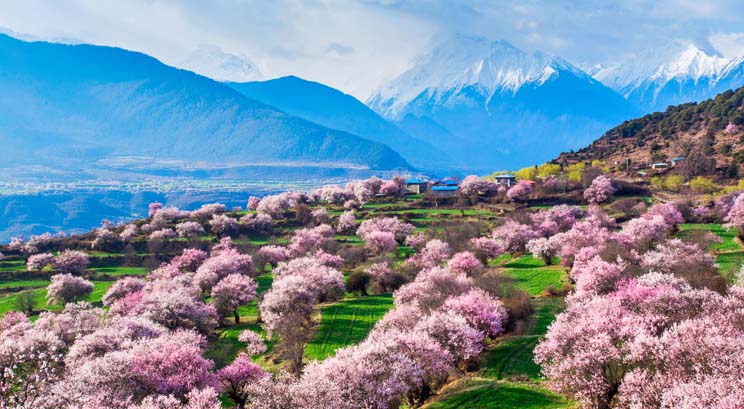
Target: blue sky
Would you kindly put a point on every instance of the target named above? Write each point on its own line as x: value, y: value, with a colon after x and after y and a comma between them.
x: 356, y: 45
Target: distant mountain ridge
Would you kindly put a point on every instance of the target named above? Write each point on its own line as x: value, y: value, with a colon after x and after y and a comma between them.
x: 73, y: 105
x: 332, y: 108
x: 212, y: 62
x: 656, y: 79
x: 489, y: 104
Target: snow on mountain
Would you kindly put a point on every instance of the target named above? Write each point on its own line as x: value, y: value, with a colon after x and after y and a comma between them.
x: 212, y: 62
x: 464, y: 61
x: 655, y: 79
x: 516, y: 107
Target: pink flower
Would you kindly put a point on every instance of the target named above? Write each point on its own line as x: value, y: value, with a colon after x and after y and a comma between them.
x: 600, y: 191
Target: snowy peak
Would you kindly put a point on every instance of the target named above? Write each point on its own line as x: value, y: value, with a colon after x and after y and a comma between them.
x: 468, y: 61
x: 692, y: 63
x: 212, y: 62
x: 647, y: 79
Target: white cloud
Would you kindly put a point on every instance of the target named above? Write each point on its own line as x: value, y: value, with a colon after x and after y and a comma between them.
x: 728, y: 44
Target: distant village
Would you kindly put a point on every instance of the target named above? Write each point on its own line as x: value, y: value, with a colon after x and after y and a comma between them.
x: 447, y: 188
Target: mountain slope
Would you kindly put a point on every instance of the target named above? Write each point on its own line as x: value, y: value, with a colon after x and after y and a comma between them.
x: 75, y: 105
x: 329, y: 107
x: 710, y: 129
x: 491, y: 105
x: 212, y: 62
x: 678, y: 74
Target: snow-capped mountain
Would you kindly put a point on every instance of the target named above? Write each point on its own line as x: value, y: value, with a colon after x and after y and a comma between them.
x: 212, y: 62
x: 493, y: 105
x: 677, y: 74
x: 467, y: 61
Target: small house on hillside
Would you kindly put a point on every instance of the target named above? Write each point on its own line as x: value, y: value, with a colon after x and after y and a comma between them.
x: 446, y: 182
x: 445, y: 188
x: 660, y: 166
x: 417, y: 186
x: 443, y: 191
x: 677, y: 159
x: 505, y: 180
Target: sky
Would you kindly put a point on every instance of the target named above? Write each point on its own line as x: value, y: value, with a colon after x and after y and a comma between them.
x: 356, y: 45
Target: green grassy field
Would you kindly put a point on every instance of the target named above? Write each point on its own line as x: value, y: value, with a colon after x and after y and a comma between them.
x: 121, y: 271
x: 347, y: 322
x: 24, y: 283
x: 7, y: 303
x: 226, y: 346
x: 13, y: 265
x: 729, y: 253
x: 533, y: 276
x: 728, y: 236
x: 349, y: 239
x: 479, y: 393
x: 509, y: 377
x: 442, y: 212
x: 511, y: 358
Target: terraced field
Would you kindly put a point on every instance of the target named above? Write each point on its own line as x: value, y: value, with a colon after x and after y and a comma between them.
x: 509, y: 377
x: 7, y: 303
x: 10, y: 288
x: 347, y: 322
x: 729, y: 252
x: 533, y: 276
x: 477, y: 393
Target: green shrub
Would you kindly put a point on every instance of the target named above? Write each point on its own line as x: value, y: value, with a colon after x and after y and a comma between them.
x: 358, y: 282
x: 25, y: 301
x: 703, y: 185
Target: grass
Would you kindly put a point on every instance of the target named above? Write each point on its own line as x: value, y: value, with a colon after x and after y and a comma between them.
x: 728, y: 236
x: 24, y: 284
x: 533, y: 276
x: 511, y: 358
x: 347, y: 322
x: 729, y: 253
x: 226, y: 346
x: 484, y: 393
x: 7, y: 303
x: 443, y: 212
x: 536, y: 280
x: 121, y: 271
x: 261, y: 241
x: 526, y: 261
x: 349, y: 239
x: 378, y: 205
x: 17, y: 265
x: 730, y: 262
x: 509, y: 377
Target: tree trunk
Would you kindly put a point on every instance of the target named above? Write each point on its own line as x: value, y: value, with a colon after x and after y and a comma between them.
x: 237, y: 316
x: 606, y: 401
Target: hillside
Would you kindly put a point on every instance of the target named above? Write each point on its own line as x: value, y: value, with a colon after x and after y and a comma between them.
x: 70, y: 106
x: 489, y: 316
x: 690, y: 130
x: 332, y: 108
